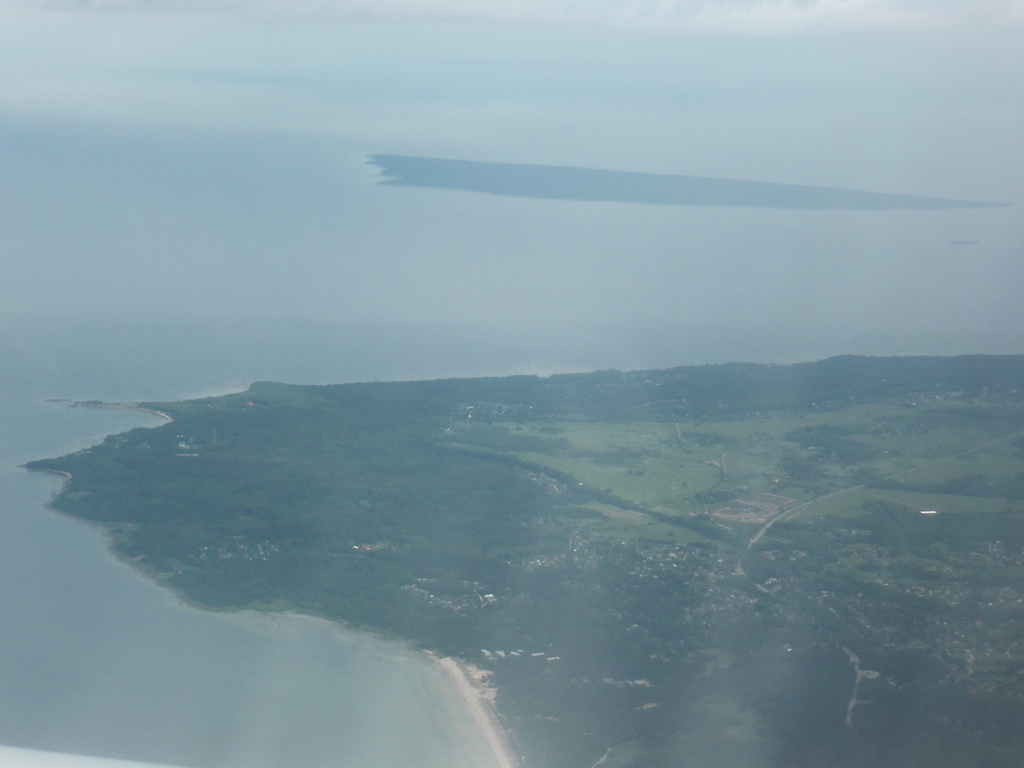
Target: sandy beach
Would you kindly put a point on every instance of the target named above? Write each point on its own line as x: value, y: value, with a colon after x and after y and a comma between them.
x: 118, y: 406
x: 478, y: 696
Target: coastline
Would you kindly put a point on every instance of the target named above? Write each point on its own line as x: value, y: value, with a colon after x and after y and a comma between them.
x: 478, y: 697
x: 468, y: 682
x: 119, y: 406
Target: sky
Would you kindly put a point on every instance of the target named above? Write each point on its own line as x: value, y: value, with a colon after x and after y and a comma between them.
x: 207, y: 159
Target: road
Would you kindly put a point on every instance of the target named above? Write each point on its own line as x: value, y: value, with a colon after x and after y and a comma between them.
x: 792, y: 512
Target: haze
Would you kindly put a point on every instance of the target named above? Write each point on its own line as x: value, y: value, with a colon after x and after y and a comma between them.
x: 210, y: 161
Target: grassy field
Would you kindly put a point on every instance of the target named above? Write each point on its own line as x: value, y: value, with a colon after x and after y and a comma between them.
x: 643, y: 463
x: 852, y: 504
x: 687, y: 470
x: 631, y: 524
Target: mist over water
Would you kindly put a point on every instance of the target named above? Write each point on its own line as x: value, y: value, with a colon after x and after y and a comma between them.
x: 111, y: 359
x: 191, y: 226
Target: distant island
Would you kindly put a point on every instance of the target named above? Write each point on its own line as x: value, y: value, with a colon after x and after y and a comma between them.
x: 817, y: 565
x: 556, y: 182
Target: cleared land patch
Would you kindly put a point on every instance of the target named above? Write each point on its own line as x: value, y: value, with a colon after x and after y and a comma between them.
x: 938, y: 455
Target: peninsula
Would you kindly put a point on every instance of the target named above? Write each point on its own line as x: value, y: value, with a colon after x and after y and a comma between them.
x: 558, y: 182
x: 682, y: 567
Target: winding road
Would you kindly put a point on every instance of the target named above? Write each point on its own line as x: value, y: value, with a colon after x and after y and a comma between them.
x: 792, y: 512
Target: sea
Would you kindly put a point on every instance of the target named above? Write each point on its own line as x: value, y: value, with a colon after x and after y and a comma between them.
x: 97, y: 660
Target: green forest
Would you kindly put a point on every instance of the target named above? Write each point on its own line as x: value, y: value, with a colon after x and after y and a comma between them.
x: 801, y: 566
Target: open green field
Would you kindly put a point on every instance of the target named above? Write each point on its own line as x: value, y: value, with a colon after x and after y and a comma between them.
x: 643, y: 463
x: 919, y: 454
x: 624, y: 524
x: 852, y: 504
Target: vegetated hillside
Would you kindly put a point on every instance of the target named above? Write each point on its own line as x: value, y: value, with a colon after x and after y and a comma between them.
x: 585, y: 538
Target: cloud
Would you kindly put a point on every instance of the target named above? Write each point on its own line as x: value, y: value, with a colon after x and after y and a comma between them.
x: 744, y: 17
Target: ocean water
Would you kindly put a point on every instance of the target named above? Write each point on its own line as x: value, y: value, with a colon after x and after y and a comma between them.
x: 96, y: 660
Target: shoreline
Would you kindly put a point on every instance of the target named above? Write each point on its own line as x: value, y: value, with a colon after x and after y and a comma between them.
x: 119, y: 406
x: 469, y: 681
x: 478, y: 698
